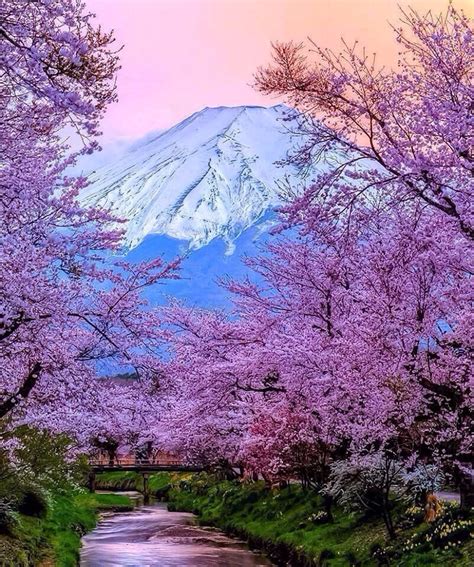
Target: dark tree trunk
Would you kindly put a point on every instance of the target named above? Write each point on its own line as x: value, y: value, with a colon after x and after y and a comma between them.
x: 327, y: 503
x: 92, y: 481
x: 23, y: 392
x: 466, y: 491
x: 387, y: 518
x: 111, y: 453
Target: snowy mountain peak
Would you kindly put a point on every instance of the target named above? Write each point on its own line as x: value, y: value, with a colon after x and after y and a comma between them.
x: 212, y: 175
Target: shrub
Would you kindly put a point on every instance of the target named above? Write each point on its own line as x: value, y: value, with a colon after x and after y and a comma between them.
x: 413, y: 516
x: 352, y: 559
x: 325, y: 555
x: 8, y: 518
x: 379, y: 554
x: 320, y: 517
x: 33, y: 503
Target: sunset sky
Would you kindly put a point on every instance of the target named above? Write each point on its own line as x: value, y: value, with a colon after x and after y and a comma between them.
x: 182, y: 55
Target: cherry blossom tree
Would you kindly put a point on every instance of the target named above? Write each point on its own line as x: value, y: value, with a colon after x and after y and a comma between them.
x: 65, y: 302
x: 343, y: 351
x: 404, y: 143
x: 411, y: 127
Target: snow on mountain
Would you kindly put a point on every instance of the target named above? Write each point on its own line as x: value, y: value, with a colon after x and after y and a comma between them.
x: 212, y: 175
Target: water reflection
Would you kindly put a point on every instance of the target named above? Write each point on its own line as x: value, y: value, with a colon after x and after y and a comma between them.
x: 151, y: 536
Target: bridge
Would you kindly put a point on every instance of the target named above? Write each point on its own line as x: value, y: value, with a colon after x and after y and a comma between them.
x: 139, y: 465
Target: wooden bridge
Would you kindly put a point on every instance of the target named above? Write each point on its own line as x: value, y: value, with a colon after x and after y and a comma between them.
x: 139, y: 465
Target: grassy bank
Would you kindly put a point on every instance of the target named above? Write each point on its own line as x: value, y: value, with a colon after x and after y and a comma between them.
x: 291, y: 526
x: 159, y: 484
x: 53, y: 537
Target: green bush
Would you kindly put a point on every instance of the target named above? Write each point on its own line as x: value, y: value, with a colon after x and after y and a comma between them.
x: 8, y: 517
x: 43, y: 512
x: 33, y: 503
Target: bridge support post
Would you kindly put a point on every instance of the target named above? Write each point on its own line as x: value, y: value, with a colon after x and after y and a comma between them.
x: 466, y: 489
x: 92, y: 481
x: 146, y: 488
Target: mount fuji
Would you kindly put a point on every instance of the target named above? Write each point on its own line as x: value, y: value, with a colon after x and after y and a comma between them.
x: 205, y: 188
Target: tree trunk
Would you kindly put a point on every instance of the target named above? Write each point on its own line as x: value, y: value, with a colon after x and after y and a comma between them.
x: 327, y: 503
x: 92, y: 481
x: 23, y: 392
x: 466, y: 490
x: 111, y: 453
x: 146, y: 489
x: 387, y: 518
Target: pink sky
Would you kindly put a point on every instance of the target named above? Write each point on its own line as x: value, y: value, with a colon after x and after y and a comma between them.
x: 182, y: 55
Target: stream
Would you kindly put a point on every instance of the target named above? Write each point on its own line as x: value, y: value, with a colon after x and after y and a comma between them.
x: 151, y: 536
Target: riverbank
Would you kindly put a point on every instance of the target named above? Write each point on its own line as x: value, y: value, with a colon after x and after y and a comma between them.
x: 159, y: 484
x: 52, y: 537
x: 291, y: 526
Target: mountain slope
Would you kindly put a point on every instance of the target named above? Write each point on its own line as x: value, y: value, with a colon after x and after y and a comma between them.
x: 213, y: 175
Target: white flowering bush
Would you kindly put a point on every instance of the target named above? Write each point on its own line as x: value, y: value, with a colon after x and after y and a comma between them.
x: 423, y: 478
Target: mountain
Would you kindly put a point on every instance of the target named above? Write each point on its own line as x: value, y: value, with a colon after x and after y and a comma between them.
x: 213, y: 175
x: 204, y: 189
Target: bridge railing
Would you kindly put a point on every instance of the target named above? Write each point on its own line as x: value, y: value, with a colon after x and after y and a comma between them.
x: 132, y: 462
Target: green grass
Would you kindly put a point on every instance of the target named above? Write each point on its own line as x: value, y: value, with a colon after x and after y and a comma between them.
x: 159, y: 483
x: 57, y: 536
x: 119, y: 481
x: 70, y: 519
x: 281, y: 523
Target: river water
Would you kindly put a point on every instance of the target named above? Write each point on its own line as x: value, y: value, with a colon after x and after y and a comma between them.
x: 150, y: 536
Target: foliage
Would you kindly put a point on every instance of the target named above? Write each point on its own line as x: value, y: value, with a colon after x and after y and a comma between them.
x: 283, y: 523
x: 43, y: 510
x: 354, y: 349
x: 158, y: 483
x: 65, y: 302
x: 411, y: 125
x: 58, y: 535
x: 8, y: 518
x: 348, y: 367
x: 43, y: 459
x: 370, y: 484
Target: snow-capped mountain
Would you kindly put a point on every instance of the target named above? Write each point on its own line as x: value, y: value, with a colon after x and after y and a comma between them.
x: 212, y: 175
